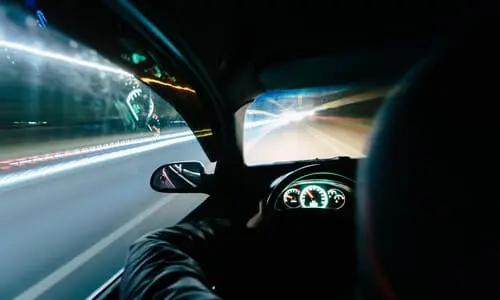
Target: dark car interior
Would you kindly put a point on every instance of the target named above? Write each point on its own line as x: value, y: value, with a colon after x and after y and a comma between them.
x: 425, y: 147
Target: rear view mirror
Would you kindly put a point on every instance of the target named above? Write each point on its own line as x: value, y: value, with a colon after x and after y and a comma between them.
x: 179, y: 177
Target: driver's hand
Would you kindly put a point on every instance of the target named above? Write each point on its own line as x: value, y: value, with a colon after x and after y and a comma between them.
x: 258, y: 218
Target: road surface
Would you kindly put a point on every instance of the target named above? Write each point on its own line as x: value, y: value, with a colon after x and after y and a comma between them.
x: 65, y: 234
x: 65, y: 230
x: 309, y: 138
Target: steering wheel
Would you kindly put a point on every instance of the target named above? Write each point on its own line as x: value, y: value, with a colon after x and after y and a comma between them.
x: 282, y: 182
x: 297, y: 234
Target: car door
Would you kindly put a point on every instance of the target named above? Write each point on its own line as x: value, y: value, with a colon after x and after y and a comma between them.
x: 76, y: 155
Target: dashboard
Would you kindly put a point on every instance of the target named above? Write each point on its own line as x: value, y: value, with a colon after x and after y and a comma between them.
x: 315, y: 191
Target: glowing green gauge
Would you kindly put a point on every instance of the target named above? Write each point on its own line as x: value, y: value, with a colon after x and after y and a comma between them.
x: 291, y: 198
x: 337, y: 198
x: 313, y: 196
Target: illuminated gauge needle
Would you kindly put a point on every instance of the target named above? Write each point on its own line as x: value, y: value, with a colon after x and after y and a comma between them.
x: 291, y: 198
x: 310, y: 194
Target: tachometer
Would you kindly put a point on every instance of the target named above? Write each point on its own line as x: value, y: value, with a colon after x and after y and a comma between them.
x: 313, y: 196
x: 291, y: 198
x: 337, y: 198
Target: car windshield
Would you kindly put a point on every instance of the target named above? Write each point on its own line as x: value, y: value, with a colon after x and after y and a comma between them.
x: 310, y: 123
x: 324, y: 120
x: 79, y: 141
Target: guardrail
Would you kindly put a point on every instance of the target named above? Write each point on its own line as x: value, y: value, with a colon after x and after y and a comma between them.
x: 9, y: 136
x: 20, y: 146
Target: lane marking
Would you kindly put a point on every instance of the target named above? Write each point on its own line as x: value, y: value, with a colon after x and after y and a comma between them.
x: 334, y: 143
x: 192, y: 173
x: 31, y: 175
x: 183, y: 178
x: 167, y: 178
x: 51, y: 280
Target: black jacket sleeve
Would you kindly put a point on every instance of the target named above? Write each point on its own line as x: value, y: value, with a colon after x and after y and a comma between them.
x: 162, y: 265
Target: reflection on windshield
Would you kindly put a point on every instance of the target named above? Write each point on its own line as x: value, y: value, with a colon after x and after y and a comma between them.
x: 310, y: 123
x: 54, y: 88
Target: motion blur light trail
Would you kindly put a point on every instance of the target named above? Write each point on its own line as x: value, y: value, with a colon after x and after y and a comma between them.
x: 34, y: 159
x: 17, y: 178
x: 304, y: 139
x: 64, y: 58
x: 87, y: 64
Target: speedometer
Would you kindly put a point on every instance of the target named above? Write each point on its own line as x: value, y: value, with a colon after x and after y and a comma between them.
x: 313, y: 196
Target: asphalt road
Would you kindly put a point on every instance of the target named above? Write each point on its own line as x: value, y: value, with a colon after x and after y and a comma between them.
x: 65, y: 232
x: 308, y: 138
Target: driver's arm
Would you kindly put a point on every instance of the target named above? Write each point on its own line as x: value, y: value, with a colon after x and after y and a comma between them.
x: 162, y: 265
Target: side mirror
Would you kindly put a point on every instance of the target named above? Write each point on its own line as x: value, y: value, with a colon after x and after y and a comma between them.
x: 180, y: 177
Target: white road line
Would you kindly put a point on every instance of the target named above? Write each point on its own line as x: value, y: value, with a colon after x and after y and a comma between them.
x: 183, y: 178
x: 90, y: 149
x: 48, y: 282
x: 23, y: 177
x: 334, y: 143
x: 191, y: 172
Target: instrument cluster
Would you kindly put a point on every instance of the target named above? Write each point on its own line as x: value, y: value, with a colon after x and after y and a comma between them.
x: 314, y: 194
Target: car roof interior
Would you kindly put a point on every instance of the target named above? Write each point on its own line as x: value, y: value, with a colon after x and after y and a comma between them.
x: 236, y: 41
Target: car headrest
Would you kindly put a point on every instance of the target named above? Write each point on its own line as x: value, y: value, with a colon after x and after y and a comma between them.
x: 428, y: 208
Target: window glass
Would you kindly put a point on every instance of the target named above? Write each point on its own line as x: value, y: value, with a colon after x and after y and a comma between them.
x: 79, y: 141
